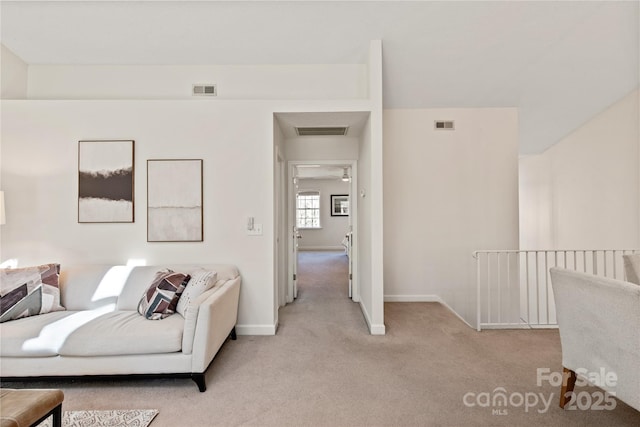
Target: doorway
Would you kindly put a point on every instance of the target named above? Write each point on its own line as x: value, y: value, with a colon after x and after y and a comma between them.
x: 323, y: 224
x: 304, y: 141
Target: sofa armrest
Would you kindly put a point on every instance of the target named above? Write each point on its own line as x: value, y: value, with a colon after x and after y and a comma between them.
x: 599, y: 322
x: 217, y: 316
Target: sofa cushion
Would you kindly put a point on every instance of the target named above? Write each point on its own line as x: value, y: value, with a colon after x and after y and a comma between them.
x: 29, y: 291
x: 201, y: 281
x: 36, y: 336
x: 161, y: 298
x: 93, y: 285
x: 124, y: 333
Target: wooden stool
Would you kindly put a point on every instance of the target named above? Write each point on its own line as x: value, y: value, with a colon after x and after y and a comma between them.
x: 24, y: 408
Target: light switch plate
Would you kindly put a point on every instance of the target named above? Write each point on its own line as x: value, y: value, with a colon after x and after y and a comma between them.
x: 257, y: 230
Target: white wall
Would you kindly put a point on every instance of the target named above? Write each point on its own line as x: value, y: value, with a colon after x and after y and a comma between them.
x: 322, y: 148
x: 364, y: 231
x: 335, y: 81
x: 447, y: 194
x: 280, y: 217
x: 13, y: 75
x: 235, y: 140
x: 535, y: 192
x: 39, y: 175
x: 334, y: 228
x: 234, y: 137
x: 584, y: 192
x: 370, y: 245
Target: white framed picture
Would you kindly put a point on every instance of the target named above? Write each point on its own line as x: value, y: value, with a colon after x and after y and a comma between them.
x: 174, y: 200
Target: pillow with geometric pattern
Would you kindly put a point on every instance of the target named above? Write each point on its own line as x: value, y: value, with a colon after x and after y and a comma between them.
x: 161, y: 298
x: 29, y: 291
x: 201, y: 281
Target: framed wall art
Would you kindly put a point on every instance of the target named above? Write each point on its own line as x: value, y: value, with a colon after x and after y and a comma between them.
x: 339, y: 205
x: 105, y: 181
x: 174, y: 200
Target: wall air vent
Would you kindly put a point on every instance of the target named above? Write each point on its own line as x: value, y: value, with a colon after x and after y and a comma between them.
x: 322, y: 131
x: 443, y: 125
x: 204, y: 90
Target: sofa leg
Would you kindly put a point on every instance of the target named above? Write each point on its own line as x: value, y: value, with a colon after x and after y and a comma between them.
x: 568, y: 383
x: 199, y: 380
x: 233, y: 334
x: 57, y: 416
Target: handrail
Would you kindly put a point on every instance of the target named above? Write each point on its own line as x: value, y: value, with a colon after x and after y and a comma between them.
x: 493, y: 251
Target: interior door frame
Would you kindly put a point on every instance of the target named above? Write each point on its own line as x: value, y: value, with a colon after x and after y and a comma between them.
x: 353, y: 221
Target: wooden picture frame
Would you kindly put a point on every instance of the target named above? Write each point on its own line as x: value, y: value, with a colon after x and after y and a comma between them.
x: 106, y: 181
x: 174, y: 200
x: 339, y: 205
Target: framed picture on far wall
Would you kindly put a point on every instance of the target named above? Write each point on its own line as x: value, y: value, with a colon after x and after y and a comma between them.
x: 105, y: 181
x: 174, y: 200
x: 339, y: 205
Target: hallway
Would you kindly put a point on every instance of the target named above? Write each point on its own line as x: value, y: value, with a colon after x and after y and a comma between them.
x: 323, y: 304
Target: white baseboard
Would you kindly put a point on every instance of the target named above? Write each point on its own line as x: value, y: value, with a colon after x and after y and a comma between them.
x: 256, y: 329
x: 374, y: 329
x: 412, y: 298
x: 424, y: 298
x: 321, y: 248
x: 454, y: 312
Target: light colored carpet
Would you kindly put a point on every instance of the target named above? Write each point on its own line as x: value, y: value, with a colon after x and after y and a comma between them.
x: 324, y: 369
x: 113, y: 418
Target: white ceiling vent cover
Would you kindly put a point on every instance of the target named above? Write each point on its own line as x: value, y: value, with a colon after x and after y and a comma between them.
x: 322, y: 130
x: 444, y: 125
x: 204, y: 90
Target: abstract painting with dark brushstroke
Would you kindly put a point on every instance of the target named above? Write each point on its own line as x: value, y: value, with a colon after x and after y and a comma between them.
x: 105, y: 181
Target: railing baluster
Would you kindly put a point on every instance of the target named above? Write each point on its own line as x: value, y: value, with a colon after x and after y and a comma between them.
x: 537, y: 290
x: 488, y: 288
x: 499, y: 291
x: 615, y: 269
x: 526, y: 254
x: 509, y: 313
x: 546, y: 284
x: 478, y: 294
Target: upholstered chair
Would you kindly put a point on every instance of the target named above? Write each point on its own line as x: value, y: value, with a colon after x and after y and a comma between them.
x: 632, y: 268
x: 599, y: 322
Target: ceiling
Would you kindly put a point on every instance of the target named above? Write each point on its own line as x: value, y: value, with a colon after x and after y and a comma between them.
x: 559, y: 62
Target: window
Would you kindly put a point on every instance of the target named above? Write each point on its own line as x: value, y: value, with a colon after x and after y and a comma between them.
x: 308, y: 209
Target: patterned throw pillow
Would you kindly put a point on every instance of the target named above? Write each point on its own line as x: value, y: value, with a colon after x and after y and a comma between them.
x: 201, y: 281
x: 29, y: 291
x: 161, y: 298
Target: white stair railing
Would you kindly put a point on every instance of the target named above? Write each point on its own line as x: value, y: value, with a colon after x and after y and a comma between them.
x: 514, y: 287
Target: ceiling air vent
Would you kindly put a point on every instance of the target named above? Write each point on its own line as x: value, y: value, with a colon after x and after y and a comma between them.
x: 322, y: 131
x: 204, y: 90
x: 443, y: 125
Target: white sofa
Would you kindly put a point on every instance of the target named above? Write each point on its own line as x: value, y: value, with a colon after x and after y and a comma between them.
x: 101, y: 332
x: 599, y: 322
